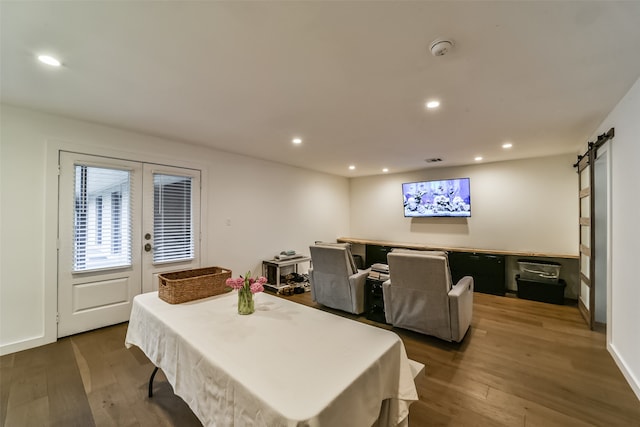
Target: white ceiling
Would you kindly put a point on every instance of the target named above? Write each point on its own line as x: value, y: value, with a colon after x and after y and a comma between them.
x: 350, y: 78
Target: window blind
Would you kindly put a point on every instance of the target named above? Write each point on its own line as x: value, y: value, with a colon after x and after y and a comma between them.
x: 172, y: 218
x: 102, y: 218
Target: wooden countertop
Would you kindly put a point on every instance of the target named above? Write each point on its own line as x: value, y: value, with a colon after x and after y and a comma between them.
x: 421, y: 246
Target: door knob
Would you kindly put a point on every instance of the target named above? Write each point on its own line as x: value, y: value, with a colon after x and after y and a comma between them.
x: 147, y: 247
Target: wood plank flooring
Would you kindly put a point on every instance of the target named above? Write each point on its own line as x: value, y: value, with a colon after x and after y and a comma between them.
x: 522, y: 363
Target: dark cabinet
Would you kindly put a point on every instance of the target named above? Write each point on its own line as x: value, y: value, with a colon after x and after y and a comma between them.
x: 551, y: 292
x: 374, y: 300
x: 488, y: 271
x: 376, y: 254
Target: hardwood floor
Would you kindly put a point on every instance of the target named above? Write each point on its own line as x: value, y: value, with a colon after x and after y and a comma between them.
x: 522, y: 363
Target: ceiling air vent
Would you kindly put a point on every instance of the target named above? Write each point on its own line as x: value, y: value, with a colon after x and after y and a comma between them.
x: 433, y: 160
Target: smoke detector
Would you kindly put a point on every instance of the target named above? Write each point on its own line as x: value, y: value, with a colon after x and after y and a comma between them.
x: 433, y: 160
x: 440, y: 47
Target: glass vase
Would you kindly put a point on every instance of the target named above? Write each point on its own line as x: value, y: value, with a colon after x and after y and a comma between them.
x: 245, y: 301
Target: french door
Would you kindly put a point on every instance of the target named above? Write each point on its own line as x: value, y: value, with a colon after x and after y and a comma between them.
x: 171, y: 222
x: 120, y: 224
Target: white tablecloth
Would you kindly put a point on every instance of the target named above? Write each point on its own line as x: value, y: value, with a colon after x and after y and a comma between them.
x: 284, y: 365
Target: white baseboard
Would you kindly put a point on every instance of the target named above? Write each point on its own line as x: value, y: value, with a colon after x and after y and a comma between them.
x: 25, y: 344
x: 628, y: 375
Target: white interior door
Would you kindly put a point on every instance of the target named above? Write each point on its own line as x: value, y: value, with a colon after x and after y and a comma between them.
x: 99, y: 269
x: 120, y: 224
x: 171, y: 225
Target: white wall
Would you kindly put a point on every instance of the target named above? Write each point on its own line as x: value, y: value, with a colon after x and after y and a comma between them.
x: 624, y: 327
x: 525, y: 205
x: 269, y: 206
x: 256, y: 196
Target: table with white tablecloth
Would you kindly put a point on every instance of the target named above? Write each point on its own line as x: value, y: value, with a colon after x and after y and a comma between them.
x: 284, y: 365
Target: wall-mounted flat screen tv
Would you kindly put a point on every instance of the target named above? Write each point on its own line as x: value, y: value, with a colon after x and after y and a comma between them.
x: 443, y: 198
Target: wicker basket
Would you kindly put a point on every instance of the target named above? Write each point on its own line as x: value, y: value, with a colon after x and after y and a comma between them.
x: 189, y: 285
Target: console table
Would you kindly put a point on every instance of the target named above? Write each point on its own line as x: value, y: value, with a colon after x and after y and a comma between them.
x: 424, y: 247
x: 271, y: 268
x: 493, y: 270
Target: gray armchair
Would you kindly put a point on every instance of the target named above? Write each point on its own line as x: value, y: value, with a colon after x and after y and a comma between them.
x: 420, y: 295
x: 335, y: 281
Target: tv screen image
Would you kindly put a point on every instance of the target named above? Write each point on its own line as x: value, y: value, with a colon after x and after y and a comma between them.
x: 447, y: 197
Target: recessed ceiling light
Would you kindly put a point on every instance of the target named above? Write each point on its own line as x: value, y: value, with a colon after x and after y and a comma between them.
x: 507, y: 145
x: 352, y: 167
x: 385, y: 170
x: 297, y: 140
x: 432, y: 104
x: 49, y: 60
x: 478, y: 158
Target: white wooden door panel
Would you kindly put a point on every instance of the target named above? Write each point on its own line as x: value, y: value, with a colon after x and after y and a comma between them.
x: 171, y: 222
x: 99, y: 269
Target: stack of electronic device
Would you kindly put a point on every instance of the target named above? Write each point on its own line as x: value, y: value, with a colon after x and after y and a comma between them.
x: 285, y: 255
x: 379, y: 271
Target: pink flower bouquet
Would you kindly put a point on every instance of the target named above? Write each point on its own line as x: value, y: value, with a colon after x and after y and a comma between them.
x: 246, y: 287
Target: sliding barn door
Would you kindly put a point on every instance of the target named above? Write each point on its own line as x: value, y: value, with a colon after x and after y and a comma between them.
x: 586, y: 184
x: 586, y: 299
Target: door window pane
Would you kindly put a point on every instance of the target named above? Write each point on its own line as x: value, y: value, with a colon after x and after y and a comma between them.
x: 172, y: 218
x: 585, y: 235
x: 584, y: 265
x: 585, y: 207
x: 584, y: 177
x: 584, y: 293
x: 102, y: 218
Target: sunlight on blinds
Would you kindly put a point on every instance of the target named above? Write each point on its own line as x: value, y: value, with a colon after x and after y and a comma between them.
x: 102, y: 218
x: 172, y: 218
